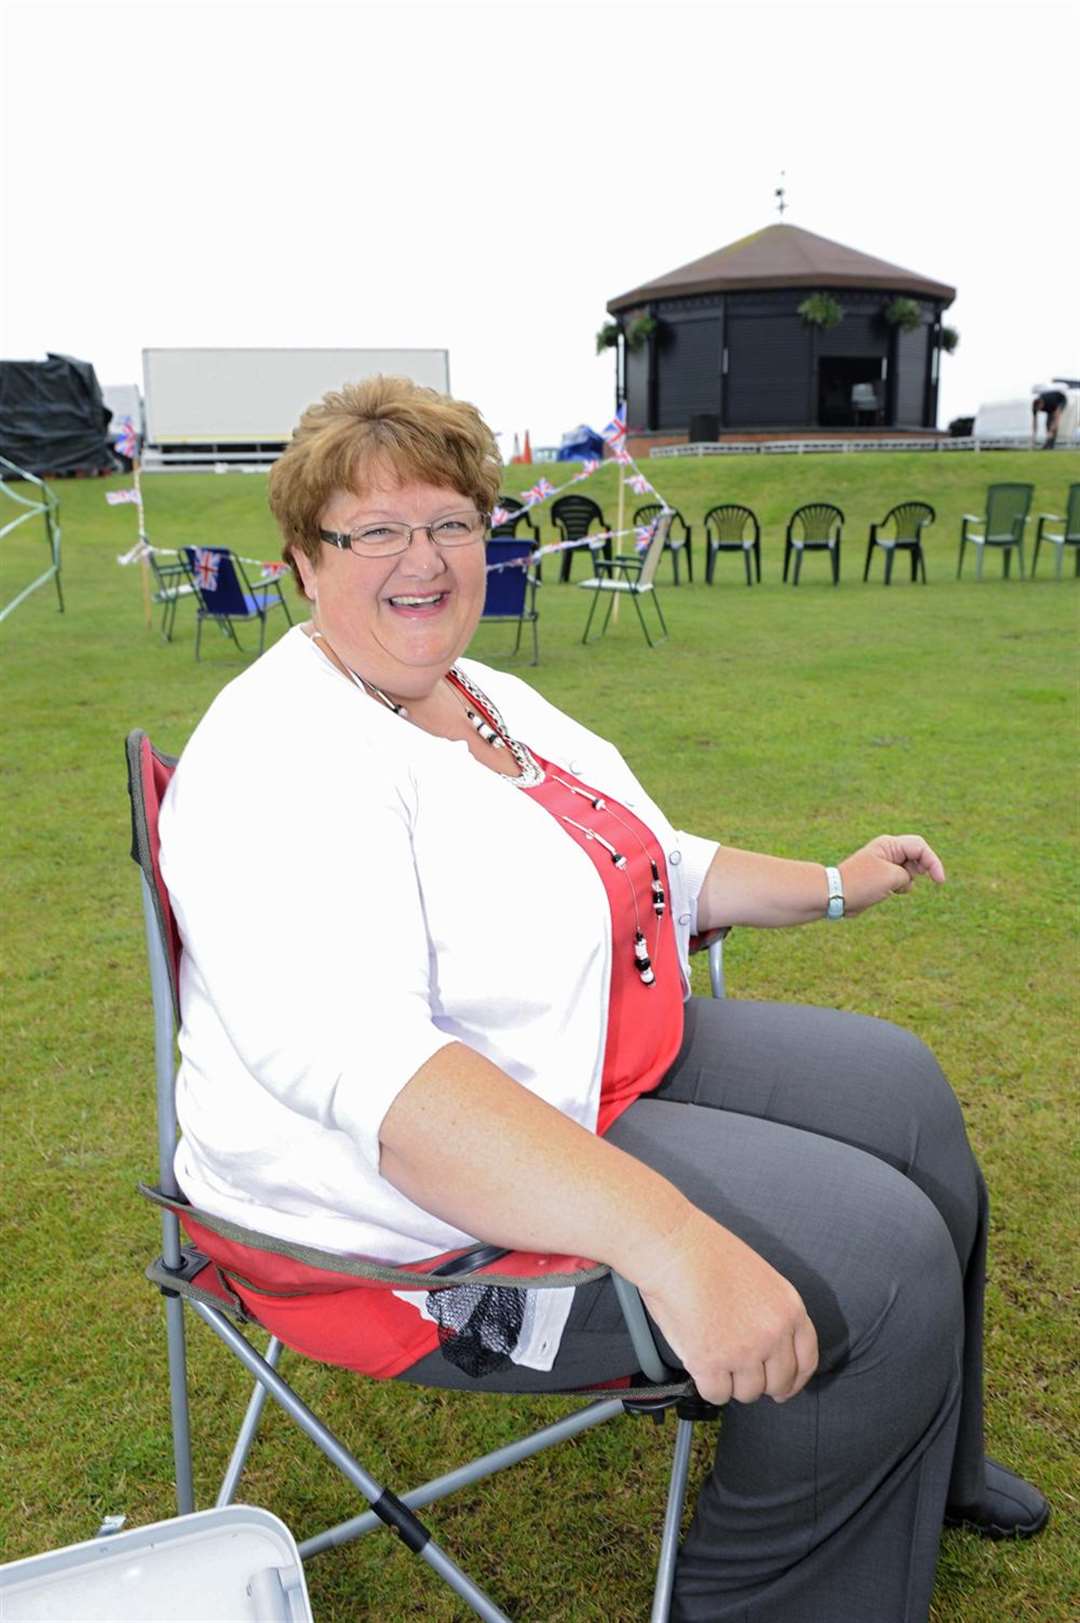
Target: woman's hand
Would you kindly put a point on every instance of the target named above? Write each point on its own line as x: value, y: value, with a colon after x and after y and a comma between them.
x: 888, y: 866
x: 739, y: 1328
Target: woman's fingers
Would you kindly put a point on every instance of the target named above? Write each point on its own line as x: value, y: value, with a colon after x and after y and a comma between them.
x: 806, y: 1352
x: 749, y: 1384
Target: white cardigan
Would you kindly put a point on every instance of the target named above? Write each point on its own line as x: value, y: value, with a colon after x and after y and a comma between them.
x: 354, y: 894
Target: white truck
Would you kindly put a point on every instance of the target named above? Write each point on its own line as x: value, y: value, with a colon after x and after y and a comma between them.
x: 228, y: 407
x: 1008, y: 422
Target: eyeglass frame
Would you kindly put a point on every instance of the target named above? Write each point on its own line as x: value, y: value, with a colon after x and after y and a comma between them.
x: 343, y: 538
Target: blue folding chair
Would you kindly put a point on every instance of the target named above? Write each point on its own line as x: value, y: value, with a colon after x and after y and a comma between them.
x: 511, y: 588
x: 224, y: 593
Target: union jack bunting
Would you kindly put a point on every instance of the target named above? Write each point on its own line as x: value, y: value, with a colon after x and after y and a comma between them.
x: 643, y: 535
x: 589, y: 466
x: 127, y: 441
x: 206, y: 568
x: 639, y: 484
x: 622, y: 455
x: 542, y: 488
x: 115, y: 497
x: 273, y: 570
x: 499, y: 516
x: 615, y: 432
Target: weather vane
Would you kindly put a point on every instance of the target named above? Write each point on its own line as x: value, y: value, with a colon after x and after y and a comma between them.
x: 779, y: 195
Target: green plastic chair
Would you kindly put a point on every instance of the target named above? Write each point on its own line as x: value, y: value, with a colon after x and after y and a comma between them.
x: 1069, y: 537
x: 908, y: 521
x: 1008, y: 508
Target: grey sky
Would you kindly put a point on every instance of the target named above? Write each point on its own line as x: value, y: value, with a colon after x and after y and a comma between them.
x: 484, y: 178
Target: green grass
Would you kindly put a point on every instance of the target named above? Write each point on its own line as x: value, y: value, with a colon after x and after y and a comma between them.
x: 800, y: 722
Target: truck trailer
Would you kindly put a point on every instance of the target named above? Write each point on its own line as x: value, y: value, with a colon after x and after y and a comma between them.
x: 234, y: 407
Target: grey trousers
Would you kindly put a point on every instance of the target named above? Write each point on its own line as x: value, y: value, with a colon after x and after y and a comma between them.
x: 833, y: 1145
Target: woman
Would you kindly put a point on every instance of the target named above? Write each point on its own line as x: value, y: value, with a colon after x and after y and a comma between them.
x: 467, y: 1017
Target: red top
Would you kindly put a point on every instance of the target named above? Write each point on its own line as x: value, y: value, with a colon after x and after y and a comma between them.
x: 380, y: 1335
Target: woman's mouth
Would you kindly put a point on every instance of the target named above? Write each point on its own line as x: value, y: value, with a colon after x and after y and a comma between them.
x: 418, y: 602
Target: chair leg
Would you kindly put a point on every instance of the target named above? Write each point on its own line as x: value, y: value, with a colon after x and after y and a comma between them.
x: 866, y: 565
x: 710, y: 562
x: 787, y: 559
x: 536, y: 642
x: 689, y: 563
x: 1035, y: 555
x: 798, y: 565
x: 665, y: 1571
x: 980, y: 548
x: 176, y: 1341
x: 246, y: 1435
x: 1006, y: 562
x: 1020, y: 558
x: 660, y: 614
x: 888, y: 566
x: 835, y: 551
x: 757, y: 560
x: 198, y: 635
x: 641, y: 617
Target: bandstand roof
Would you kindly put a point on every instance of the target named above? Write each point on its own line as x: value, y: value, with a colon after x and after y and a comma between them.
x: 782, y: 256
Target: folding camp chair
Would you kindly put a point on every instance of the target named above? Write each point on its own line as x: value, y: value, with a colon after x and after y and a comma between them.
x: 632, y: 577
x: 171, y: 583
x: 511, y: 588
x: 225, y: 594
x: 675, y: 544
x: 184, y: 1273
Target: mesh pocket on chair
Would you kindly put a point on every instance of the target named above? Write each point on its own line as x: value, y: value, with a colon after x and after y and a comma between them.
x: 479, y: 1325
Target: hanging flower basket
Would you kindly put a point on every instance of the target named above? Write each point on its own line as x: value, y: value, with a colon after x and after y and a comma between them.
x: 950, y: 338
x: 640, y: 331
x: 607, y: 337
x: 903, y: 313
x: 821, y: 310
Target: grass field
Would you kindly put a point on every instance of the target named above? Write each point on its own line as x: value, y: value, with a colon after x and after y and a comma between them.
x: 800, y: 722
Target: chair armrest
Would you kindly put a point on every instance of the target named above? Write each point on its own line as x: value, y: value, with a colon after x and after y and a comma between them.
x: 975, y: 518
x: 1058, y: 518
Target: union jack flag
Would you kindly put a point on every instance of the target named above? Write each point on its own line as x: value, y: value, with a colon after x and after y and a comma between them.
x: 622, y: 455
x: 615, y: 432
x: 127, y: 441
x: 206, y: 568
x: 590, y: 465
x: 271, y: 571
x: 115, y: 497
x: 639, y: 484
x: 643, y: 535
x: 541, y: 489
x: 499, y: 516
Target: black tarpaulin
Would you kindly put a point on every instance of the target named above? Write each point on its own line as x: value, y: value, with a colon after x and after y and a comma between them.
x: 53, y: 419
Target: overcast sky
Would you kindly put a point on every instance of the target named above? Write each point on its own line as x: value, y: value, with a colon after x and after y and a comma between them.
x: 483, y: 178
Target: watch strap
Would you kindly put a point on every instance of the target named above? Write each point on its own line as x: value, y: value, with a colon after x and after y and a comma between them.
x: 835, y: 907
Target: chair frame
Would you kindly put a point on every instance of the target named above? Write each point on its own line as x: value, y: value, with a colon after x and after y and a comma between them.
x: 1010, y: 542
x: 1069, y: 536
x: 814, y: 513
x: 716, y: 545
x: 651, y: 510
x: 900, y: 542
x: 529, y: 612
x: 175, y: 1270
x: 172, y: 582
x: 250, y: 589
x: 632, y: 577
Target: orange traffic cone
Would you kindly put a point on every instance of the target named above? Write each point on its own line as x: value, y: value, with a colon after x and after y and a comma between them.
x: 516, y: 457
x: 526, y: 455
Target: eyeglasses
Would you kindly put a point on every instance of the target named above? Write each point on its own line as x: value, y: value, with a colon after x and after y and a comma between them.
x: 383, y: 540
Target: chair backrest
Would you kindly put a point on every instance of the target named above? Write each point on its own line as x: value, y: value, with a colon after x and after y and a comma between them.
x: 508, y: 576
x: 909, y: 519
x: 729, y: 522
x: 864, y: 396
x: 1007, y: 506
x: 645, y: 515
x: 218, y: 581
x: 819, y: 521
x: 1072, y: 514
x: 149, y: 772
x: 574, y: 515
x: 654, y: 551
x: 515, y: 515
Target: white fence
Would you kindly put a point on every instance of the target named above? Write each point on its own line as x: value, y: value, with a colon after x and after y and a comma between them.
x: 801, y: 447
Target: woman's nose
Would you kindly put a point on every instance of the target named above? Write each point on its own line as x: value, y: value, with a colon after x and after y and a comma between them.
x: 422, y: 557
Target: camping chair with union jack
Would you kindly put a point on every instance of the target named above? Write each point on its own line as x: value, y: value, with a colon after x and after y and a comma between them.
x: 229, y: 1275
x: 224, y: 593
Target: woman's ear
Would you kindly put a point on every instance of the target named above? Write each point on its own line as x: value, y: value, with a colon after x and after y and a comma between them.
x: 306, y: 570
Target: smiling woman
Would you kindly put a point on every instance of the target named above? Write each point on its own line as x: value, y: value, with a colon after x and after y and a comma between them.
x: 488, y: 1037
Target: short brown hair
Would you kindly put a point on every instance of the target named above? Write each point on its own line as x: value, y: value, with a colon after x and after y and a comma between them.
x: 387, y: 422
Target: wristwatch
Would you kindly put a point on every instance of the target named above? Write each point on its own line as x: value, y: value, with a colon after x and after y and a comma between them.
x: 835, y: 909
